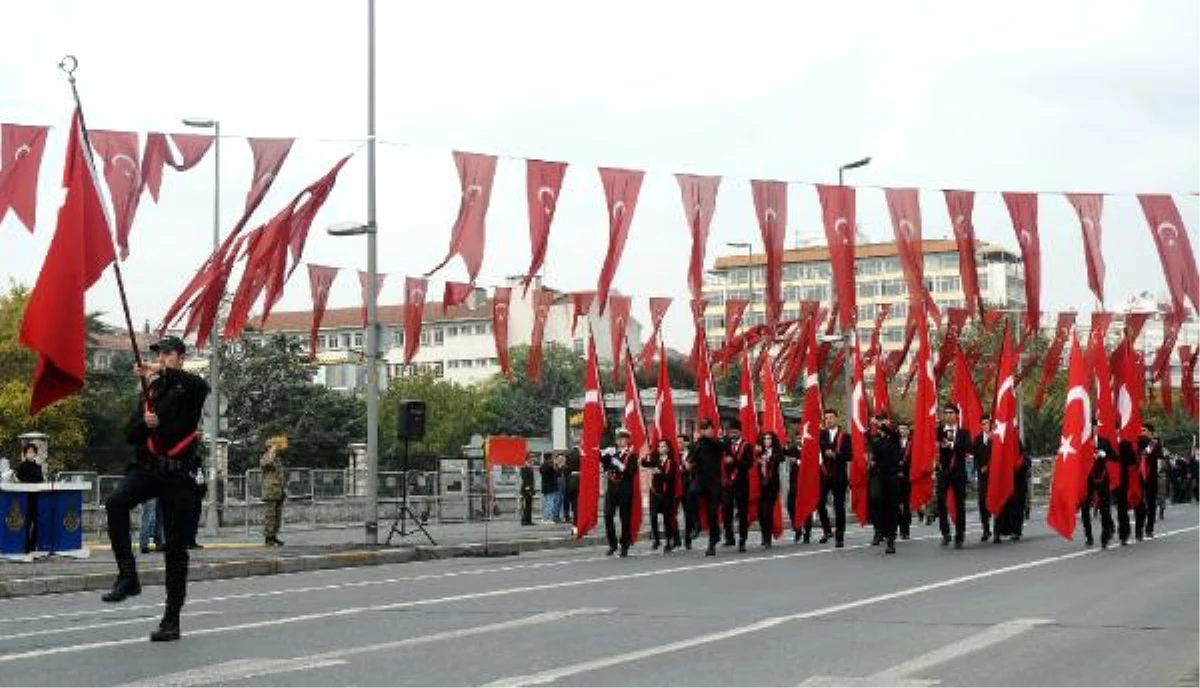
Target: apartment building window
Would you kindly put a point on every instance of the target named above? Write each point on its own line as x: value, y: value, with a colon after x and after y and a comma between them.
x: 716, y: 298
x: 736, y: 294
x: 946, y: 284
x: 713, y: 321
x: 791, y: 313
x: 893, y: 335
x: 481, y: 328
x: 481, y: 362
x: 866, y: 311
x: 869, y: 266
x: 453, y: 363
x: 358, y: 340
x: 868, y: 289
x: 983, y: 280
x: 899, y: 310
x: 943, y: 261
x: 892, y: 288
x: 816, y: 293
x: 452, y: 331
x: 398, y: 338
x: 346, y: 340
x: 791, y: 272
x: 577, y: 346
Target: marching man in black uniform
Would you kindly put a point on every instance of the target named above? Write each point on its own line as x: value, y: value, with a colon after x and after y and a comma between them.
x: 954, y: 446
x: 662, y: 493
x: 1150, y: 452
x: 165, y: 439
x: 620, y: 465
x: 1106, y: 455
x: 739, y: 460
x: 836, y: 455
x: 982, y: 453
x: 884, y: 443
x: 768, y: 457
x: 691, y: 516
x: 706, y: 456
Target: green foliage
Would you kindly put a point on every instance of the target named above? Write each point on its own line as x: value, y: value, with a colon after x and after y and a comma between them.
x: 271, y: 392
x: 452, y: 414
x: 519, y: 407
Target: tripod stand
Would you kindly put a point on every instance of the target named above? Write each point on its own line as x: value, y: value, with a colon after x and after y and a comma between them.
x: 400, y: 523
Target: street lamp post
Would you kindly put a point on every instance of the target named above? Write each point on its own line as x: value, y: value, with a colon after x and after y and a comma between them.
x: 848, y: 335
x: 213, y: 429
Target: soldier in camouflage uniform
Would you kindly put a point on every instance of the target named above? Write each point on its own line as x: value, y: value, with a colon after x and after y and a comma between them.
x: 272, y: 493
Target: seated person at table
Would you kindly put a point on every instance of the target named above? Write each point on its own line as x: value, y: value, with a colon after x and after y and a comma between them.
x: 29, y: 470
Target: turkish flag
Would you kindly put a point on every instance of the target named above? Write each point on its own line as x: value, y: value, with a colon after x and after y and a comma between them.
x: 733, y: 316
x: 960, y: 205
x: 320, y: 279
x: 157, y: 152
x: 122, y: 172
x: 500, y: 301
x: 542, y: 300
x: 54, y: 323
x: 924, y: 428
x: 955, y: 322
x: 543, y: 182
x: 970, y: 409
x: 589, y: 448
x: 1164, y: 391
x: 859, y: 475
x: 1006, y: 448
x: 658, y: 310
x: 635, y: 423
x: 414, y: 311
x: 500, y: 450
x: 1174, y: 249
x: 269, y: 156
x: 1129, y: 394
x: 808, y: 485
x: 366, y: 294
x: 455, y: 294
x: 620, y: 307
x: 706, y: 408
x: 467, y: 237
x: 621, y: 189
x: 880, y: 401
x: 1187, y: 381
x: 665, y: 427
x: 267, y: 259
x: 699, y: 202
x: 837, y: 208
x: 881, y: 313
x: 1066, y: 321
x: 21, y: 149
x: 582, y: 301
x: 749, y: 420
x: 1171, y: 326
x: 772, y: 415
x: 1134, y: 322
x: 1069, y: 464
x: 1089, y: 208
x: 905, y: 208
x: 770, y: 204
x: 1022, y: 208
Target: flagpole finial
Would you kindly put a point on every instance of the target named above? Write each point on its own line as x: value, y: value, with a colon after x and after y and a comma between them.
x: 69, y: 64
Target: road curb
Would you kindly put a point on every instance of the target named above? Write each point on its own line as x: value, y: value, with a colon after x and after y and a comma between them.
x: 267, y: 566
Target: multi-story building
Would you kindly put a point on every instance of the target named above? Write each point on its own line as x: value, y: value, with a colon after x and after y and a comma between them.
x: 1151, y: 337
x: 458, y: 344
x: 808, y: 276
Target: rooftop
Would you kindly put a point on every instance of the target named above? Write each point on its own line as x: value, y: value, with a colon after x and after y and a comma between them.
x: 817, y: 254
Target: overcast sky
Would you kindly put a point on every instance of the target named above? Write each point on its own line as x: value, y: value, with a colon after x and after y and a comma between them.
x: 1021, y: 96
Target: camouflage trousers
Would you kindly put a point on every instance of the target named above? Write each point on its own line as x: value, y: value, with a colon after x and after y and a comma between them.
x: 272, y: 518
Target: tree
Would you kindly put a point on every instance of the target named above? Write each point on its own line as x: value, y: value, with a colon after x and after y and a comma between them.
x: 271, y: 392
x: 452, y: 414
x: 518, y: 407
x: 62, y: 421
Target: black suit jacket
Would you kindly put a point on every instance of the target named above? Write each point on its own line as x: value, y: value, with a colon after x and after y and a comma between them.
x: 981, y: 450
x: 841, y: 451
x: 707, y: 454
x: 952, y: 460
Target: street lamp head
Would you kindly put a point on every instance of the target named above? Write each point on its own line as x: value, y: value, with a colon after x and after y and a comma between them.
x: 738, y: 244
x: 857, y: 164
x: 832, y: 338
x: 349, y: 228
x: 200, y: 123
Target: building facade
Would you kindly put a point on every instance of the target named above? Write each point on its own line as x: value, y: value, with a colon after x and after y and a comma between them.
x: 808, y: 276
x: 457, y: 344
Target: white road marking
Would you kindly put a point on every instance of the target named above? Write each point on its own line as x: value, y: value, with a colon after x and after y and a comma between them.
x: 350, y: 611
x: 554, y: 675
x: 237, y: 670
x: 242, y: 669
x: 907, y: 673
x: 92, y: 627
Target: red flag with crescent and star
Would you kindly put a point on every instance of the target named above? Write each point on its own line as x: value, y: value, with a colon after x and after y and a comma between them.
x: 501, y: 296
x: 1174, y: 250
x: 543, y: 182
x: 414, y: 312
x: 699, y: 201
x: 1006, y: 448
x: 808, y: 485
x: 749, y: 420
x: 589, y: 447
x: 1089, y: 207
x: 320, y: 280
x: 635, y: 423
x: 621, y: 189
x: 1023, y: 209
x: 1069, y: 463
x: 837, y: 209
x: 924, y: 427
x: 619, y: 307
x: 859, y: 474
x: 21, y: 149
x: 455, y: 294
x: 658, y: 310
x: 960, y: 205
x: 123, y: 173
x: 542, y: 300
x: 582, y: 301
x: 1053, y: 356
x: 770, y: 204
x: 157, y: 152
x: 468, y: 236
x: 665, y: 427
x: 904, y: 206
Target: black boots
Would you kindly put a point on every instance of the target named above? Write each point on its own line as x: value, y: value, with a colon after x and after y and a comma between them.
x: 126, y: 585
x: 168, y: 628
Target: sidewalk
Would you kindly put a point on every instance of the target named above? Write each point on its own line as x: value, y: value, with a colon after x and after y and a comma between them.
x: 232, y: 555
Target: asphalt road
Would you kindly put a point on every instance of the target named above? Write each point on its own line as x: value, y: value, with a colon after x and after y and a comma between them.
x: 1038, y: 612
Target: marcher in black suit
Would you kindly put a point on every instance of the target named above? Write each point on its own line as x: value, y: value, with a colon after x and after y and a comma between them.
x: 954, y: 445
x: 620, y: 466
x: 706, y: 455
x: 884, y: 443
x: 904, y: 432
x: 662, y: 494
x: 739, y: 460
x: 1149, y: 454
x: 982, y: 454
x: 835, y: 462
x: 768, y: 457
